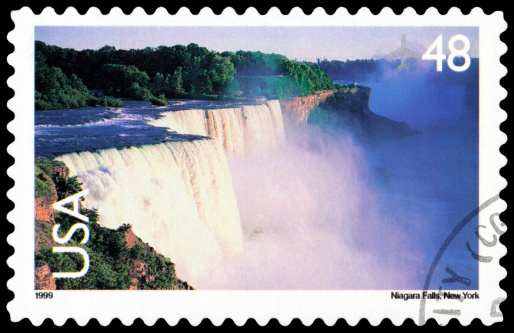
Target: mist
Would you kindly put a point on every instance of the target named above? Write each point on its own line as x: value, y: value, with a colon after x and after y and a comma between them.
x: 310, y: 221
x: 327, y: 213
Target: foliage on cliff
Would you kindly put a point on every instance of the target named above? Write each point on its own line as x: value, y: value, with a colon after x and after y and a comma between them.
x: 178, y: 72
x: 111, y: 260
x: 44, y: 181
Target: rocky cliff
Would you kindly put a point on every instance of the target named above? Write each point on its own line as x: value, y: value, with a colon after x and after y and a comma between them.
x: 43, y: 207
x: 45, y: 198
x: 44, y: 219
x: 139, y: 269
x: 350, y: 112
x: 44, y: 278
x: 297, y: 109
x: 344, y: 111
x: 43, y: 210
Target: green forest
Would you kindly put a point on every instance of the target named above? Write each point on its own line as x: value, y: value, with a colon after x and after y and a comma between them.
x: 66, y: 77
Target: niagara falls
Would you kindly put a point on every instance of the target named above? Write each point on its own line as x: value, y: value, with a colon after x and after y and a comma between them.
x: 247, y: 170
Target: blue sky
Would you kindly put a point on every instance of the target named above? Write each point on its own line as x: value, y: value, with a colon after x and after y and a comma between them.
x: 302, y: 43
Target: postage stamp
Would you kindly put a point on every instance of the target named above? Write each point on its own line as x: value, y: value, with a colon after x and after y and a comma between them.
x: 257, y: 166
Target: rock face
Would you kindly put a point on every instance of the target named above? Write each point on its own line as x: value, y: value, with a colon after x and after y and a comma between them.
x: 296, y: 110
x: 131, y: 239
x: 43, y: 204
x: 138, y: 271
x: 44, y: 209
x: 138, y: 268
x: 61, y: 171
x: 44, y: 278
x: 44, y: 216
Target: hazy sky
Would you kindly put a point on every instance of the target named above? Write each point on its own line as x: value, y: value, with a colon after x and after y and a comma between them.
x: 302, y: 43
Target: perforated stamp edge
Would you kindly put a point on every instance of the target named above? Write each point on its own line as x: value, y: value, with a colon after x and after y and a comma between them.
x: 241, y: 305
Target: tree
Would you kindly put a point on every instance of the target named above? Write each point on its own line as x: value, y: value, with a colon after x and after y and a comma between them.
x: 231, y: 87
x: 174, y: 83
x: 125, y: 81
x: 66, y: 187
x: 54, y: 90
x: 137, y: 92
x: 205, y: 82
x: 158, y: 85
x: 222, y: 70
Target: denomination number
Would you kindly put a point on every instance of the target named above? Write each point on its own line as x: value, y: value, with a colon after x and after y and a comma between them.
x: 439, y: 56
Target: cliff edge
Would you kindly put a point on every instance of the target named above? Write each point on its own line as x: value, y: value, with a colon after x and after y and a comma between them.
x: 356, y: 116
x: 347, y: 111
x: 296, y: 110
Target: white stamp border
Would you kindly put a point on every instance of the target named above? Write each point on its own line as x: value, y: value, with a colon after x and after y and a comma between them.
x: 239, y: 305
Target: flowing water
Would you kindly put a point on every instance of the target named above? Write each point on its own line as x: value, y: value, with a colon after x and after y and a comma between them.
x: 178, y: 196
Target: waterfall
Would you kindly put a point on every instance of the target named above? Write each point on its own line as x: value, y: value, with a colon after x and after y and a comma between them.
x: 184, y: 122
x: 177, y: 195
x: 251, y: 128
x: 260, y: 130
x: 227, y: 125
x: 278, y: 121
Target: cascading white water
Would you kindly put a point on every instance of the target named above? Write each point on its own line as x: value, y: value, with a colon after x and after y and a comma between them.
x: 227, y: 125
x: 278, y: 121
x: 177, y: 195
x: 260, y: 130
x: 185, y: 122
x: 207, y: 178
x: 251, y: 128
